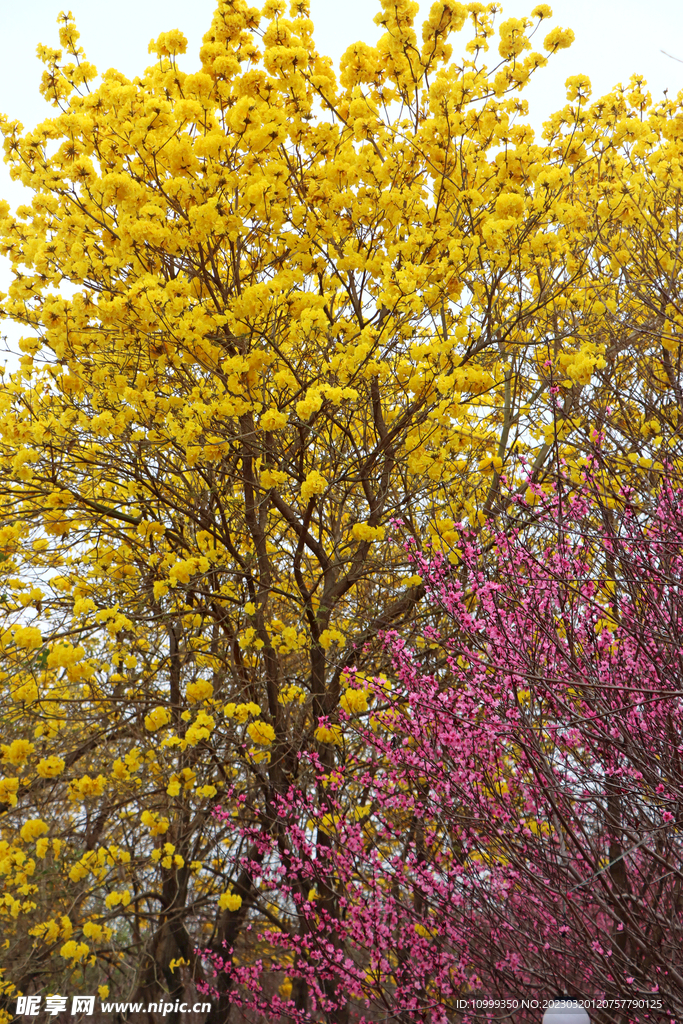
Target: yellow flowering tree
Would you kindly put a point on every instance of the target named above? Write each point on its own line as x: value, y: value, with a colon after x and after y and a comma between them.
x: 269, y: 309
x: 627, y: 154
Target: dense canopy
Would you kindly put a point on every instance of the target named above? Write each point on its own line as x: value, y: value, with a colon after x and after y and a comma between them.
x: 277, y: 318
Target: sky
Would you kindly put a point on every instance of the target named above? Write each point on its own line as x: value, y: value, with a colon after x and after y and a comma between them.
x: 614, y: 39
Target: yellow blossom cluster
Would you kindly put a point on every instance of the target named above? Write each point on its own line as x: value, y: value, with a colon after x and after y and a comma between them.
x: 280, y: 321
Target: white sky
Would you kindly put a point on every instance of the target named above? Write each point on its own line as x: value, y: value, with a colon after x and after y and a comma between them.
x: 614, y: 39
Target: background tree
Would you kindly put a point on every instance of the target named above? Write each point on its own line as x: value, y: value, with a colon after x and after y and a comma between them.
x: 508, y: 826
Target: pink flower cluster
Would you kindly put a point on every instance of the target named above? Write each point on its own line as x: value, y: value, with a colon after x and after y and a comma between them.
x: 505, y: 822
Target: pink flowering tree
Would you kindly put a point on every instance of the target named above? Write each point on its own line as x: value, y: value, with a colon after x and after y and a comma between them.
x: 504, y: 815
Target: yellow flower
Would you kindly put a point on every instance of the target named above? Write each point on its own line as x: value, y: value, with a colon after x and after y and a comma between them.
x: 8, y: 791
x: 292, y: 694
x: 313, y: 484
x: 157, y: 826
x: 229, y: 901
x: 512, y: 37
x: 87, y: 787
x: 64, y: 656
x: 17, y: 752
x: 206, y: 791
x: 510, y: 204
x: 92, y: 930
x: 325, y: 734
x: 308, y: 405
x: 578, y: 86
x: 200, y: 729
x: 354, y: 701
x: 422, y: 930
x: 261, y: 732
x: 559, y: 39
x: 285, y: 988
x: 74, y: 951
x: 32, y: 828
x: 329, y: 637
x: 28, y: 637
x: 115, y: 899
x: 169, y: 43
x: 200, y: 689
x: 490, y: 464
x: 273, y: 419
x: 272, y: 477
x: 157, y: 718
x: 363, y: 531
x: 242, y: 711
x: 51, y: 766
